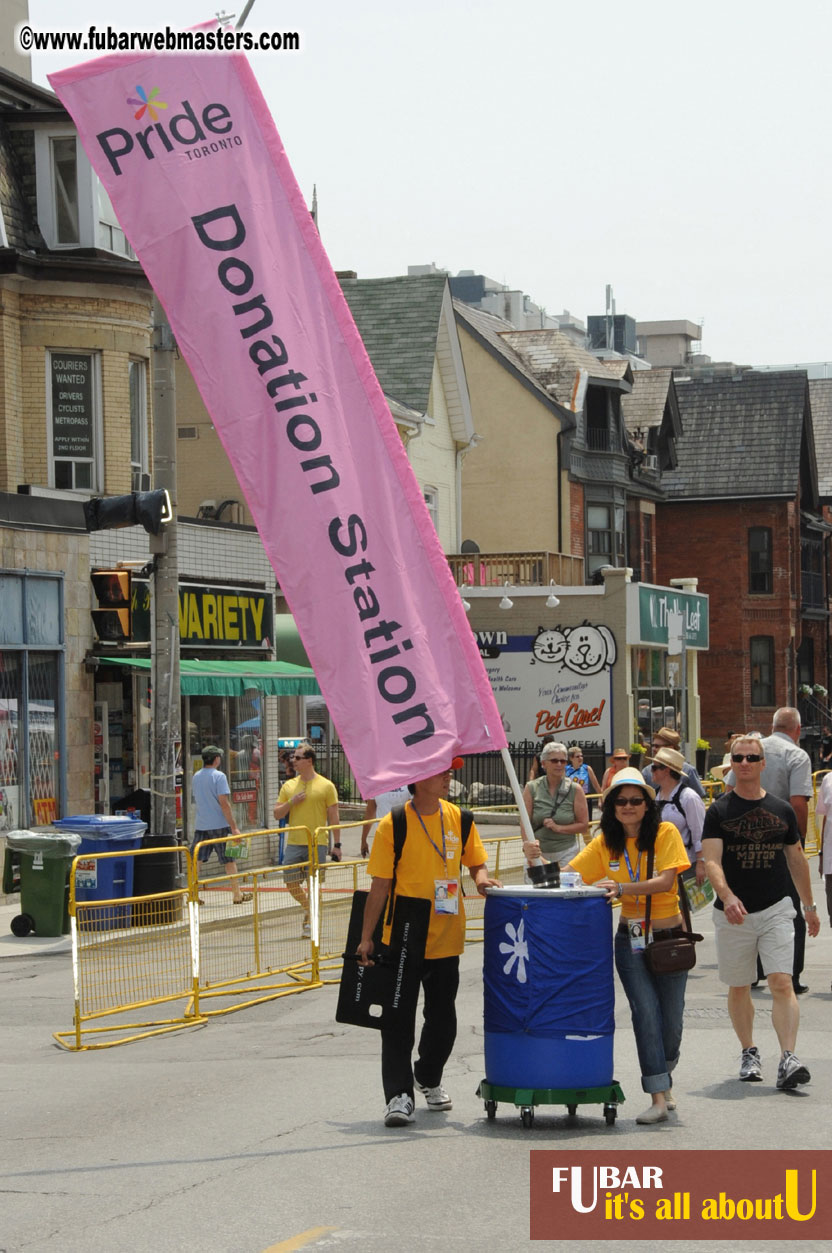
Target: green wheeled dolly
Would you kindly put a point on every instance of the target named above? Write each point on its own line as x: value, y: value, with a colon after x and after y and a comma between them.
x: 525, y: 1099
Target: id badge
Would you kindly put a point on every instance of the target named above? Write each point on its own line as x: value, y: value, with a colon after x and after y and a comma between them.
x: 446, y: 896
x: 635, y: 926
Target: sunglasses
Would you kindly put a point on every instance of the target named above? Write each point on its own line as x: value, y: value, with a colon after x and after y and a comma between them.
x: 755, y: 757
x: 301, y: 757
x: 621, y: 801
x: 559, y: 761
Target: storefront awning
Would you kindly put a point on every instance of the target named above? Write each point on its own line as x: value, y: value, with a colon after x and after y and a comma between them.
x: 233, y: 678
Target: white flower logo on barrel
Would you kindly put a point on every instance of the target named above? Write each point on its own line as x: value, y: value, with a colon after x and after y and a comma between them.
x: 517, y: 951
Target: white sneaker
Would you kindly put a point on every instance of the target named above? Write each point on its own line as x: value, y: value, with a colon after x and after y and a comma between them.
x: 437, y: 1098
x: 399, y: 1111
x: 751, y: 1068
x: 791, y: 1072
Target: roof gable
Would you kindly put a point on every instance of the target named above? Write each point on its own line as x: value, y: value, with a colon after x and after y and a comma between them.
x: 558, y: 362
x: 489, y: 330
x: 820, y: 394
x: 743, y: 435
x: 644, y: 408
x: 398, y: 320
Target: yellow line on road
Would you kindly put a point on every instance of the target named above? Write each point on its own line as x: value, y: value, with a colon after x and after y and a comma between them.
x: 298, y: 1242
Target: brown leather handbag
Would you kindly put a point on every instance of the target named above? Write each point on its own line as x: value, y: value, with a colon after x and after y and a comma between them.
x: 665, y: 955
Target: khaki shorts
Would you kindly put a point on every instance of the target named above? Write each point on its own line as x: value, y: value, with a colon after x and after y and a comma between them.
x: 299, y: 853
x: 769, y: 933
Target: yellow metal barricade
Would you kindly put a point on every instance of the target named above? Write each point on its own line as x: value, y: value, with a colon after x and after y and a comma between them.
x: 128, y: 954
x: 337, y: 885
x: 255, y: 951
x: 506, y: 862
x: 813, y: 835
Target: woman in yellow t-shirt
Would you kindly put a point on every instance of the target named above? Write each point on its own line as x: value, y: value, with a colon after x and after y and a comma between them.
x: 617, y: 861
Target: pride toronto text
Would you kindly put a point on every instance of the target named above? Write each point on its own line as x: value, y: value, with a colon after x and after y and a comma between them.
x: 223, y: 230
x: 584, y: 1196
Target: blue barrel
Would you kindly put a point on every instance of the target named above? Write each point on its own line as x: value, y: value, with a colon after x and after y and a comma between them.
x: 549, y: 1001
x: 110, y: 878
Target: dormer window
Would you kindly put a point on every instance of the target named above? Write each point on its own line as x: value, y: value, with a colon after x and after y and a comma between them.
x: 74, y: 210
x: 64, y: 168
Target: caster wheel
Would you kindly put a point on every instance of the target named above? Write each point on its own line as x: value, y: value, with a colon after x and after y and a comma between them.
x: 571, y: 1110
x: 22, y: 925
x: 527, y: 1115
x: 610, y: 1112
x: 491, y: 1110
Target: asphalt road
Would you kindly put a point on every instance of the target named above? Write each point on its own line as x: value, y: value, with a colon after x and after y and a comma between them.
x: 263, y: 1131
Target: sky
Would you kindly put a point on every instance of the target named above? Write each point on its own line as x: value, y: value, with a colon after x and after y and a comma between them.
x: 678, y: 152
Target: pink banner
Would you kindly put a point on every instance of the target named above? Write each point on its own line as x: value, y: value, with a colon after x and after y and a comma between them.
x: 188, y: 152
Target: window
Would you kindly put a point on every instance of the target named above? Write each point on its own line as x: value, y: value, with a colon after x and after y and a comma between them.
x: 811, y: 571
x: 64, y: 165
x: 74, y: 210
x: 605, y: 538
x: 759, y: 561
x: 431, y: 495
x: 31, y: 670
x: 73, y: 390
x: 597, y: 420
x: 109, y: 234
x: 806, y: 661
x: 647, y: 547
x: 138, y: 423
x: 762, y: 670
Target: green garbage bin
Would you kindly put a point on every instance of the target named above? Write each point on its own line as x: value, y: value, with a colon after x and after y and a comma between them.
x: 44, y: 859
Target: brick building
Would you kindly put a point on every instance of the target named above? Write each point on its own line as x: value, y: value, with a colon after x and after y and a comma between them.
x: 743, y: 506
x: 75, y: 315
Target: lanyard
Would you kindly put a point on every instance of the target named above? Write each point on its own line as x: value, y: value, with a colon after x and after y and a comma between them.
x: 634, y: 878
x: 443, y: 854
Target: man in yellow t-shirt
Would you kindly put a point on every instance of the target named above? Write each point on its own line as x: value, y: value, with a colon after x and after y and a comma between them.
x: 310, y: 801
x: 430, y: 867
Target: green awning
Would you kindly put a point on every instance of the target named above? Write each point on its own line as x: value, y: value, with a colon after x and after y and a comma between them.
x: 234, y: 678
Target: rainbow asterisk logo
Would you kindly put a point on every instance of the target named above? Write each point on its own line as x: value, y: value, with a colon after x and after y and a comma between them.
x: 147, y: 103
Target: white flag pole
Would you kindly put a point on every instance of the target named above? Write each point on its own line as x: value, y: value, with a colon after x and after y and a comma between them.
x: 525, y: 821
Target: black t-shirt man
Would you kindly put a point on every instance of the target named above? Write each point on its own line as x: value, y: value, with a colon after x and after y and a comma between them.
x: 754, y: 834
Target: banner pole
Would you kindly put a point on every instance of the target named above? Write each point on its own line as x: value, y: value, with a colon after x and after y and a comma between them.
x: 525, y: 821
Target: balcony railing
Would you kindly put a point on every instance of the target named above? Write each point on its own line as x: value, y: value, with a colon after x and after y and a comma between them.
x: 598, y: 439
x: 518, y: 569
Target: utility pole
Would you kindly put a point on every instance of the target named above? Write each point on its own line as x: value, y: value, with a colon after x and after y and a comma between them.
x: 165, y: 716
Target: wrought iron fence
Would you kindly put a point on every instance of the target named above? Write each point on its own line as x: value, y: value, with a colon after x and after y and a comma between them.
x: 483, y: 775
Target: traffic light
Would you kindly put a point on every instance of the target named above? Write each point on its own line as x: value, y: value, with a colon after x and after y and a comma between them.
x: 112, y: 620
x: 148, y: 509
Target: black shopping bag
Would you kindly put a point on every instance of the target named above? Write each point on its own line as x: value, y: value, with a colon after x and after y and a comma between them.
x: 385, y: 994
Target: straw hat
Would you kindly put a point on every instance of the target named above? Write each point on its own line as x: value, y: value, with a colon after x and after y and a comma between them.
x: 632, y: 776
x: 670, y: 758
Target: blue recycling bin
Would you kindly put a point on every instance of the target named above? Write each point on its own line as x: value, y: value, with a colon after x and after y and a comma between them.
x: 549, y: 1000
x: 108, y: 879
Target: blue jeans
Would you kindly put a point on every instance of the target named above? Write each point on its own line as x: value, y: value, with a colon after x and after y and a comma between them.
x: 657, y: 1006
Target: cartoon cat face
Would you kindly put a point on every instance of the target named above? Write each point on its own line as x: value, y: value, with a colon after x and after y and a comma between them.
x: 589, y: 649
x: 549, y: 645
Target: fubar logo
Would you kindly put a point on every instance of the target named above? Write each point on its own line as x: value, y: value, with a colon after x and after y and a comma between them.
x: 184, y: 129
x: 682, y: 1194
